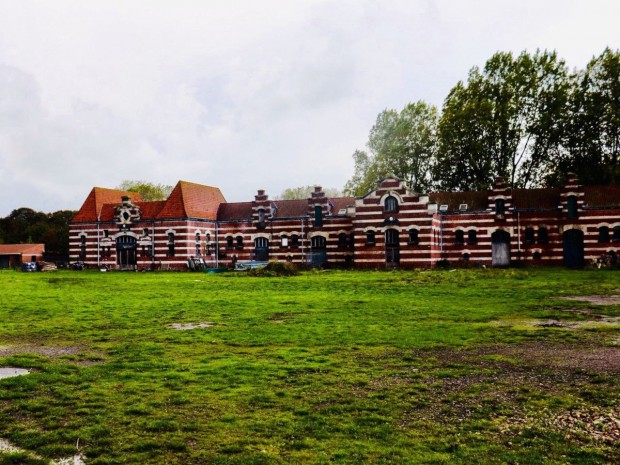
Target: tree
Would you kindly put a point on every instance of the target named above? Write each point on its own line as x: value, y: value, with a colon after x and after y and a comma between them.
x: 305, y: 192
x: 593, y: 133
x: 147, y: 190
x: 507, y: 120
x: 403, y: 144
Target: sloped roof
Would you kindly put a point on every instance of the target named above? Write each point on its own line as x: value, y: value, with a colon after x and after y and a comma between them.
x: 149, y: 210
x: 234, y: 211
x: 22, y: 249
x: 97, y: 198
x: 475, y: 200
x: 541, y: 199
x: 190, y: 200
x: 291, y: 208
x: 341, y: 202
x: 602, y: 196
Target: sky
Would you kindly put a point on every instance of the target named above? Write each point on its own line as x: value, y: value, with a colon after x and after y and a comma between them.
x: 242, y: 95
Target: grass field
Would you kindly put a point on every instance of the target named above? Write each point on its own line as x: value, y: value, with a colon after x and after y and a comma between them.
x: 458, y: 367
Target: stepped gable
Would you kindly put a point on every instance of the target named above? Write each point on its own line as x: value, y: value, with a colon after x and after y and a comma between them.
x: 475, y: 200
x: 98, y: 197
x: 536, y: 199
x: 190, y: 200
x: 601, y: 196
x: 234, y: 211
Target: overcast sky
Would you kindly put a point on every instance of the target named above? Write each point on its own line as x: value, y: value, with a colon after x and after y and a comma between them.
x: 240, y: 94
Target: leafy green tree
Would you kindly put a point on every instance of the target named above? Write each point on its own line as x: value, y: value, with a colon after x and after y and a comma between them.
x: 402, y: 144
x: 147, y: 190
x: 506, y: 120
x: 593, y: 133
x: 25, y: 225
x: 304, y: 192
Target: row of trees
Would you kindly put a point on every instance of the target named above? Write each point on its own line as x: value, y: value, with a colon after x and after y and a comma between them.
x: 24, y: 226
x: 526, y: 118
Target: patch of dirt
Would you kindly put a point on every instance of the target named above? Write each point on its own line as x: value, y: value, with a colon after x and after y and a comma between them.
x: 47, y: 351
x: 7, y: 447
x: 52, y: 352
x: 188, y: 326
x: 595, y: 299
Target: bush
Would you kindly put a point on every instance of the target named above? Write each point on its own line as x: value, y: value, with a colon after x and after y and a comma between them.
x: 276, y: 268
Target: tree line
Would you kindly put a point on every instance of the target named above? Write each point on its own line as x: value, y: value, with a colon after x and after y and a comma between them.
x: 524, y: 117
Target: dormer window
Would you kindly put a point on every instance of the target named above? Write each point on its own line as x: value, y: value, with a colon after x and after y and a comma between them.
x: 390, y: 204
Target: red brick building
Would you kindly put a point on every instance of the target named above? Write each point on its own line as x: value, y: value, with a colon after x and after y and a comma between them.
x: 389, y: 227
x: 13, y: 255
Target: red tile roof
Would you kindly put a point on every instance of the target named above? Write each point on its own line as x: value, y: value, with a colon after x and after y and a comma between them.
x: 341, y: 202
x: 234, y: 211
x: 97, y: 198
x: 22, y: 249
x: 190, y: 200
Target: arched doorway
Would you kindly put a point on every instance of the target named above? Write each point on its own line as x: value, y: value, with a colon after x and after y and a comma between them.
x: 126, y: 247
x: 261, y: 249
x: 500, y: 246
x: 392, y: 247
x: 573, y: 248
x: 319, y: 251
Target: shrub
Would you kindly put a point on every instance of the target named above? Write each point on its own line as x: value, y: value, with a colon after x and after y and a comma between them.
x: 276, y: 268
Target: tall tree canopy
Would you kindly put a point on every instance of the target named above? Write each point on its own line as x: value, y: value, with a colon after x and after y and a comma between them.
x: 593, y: 131
x: 147, y: 190
x: 506, y: 120
x: 305, y: 192
x: 25, y: 225
x: 403, y: 144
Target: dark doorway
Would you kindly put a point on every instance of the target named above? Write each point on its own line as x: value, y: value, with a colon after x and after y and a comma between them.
x: 573, y: 248
x: 500, y: 246
x: 319, y: 251
x: 392, y: 248
x: 126, y: 247
x: 261, y: 249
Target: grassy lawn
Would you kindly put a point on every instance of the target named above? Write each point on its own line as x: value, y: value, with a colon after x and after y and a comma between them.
x: 458, y: 367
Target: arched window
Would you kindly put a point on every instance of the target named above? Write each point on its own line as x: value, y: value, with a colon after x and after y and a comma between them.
x: 500, y: 207
x: 616, y: 233
x: 342, y: 240
x: 318, y: 242
x: 603, y: 234
x: 261, y: 249
x: 414, y: 237
x: 229, y: 242
x: 294, y: 241
x: 198, y: 251
x: 529, y: 235
x: 465, y: 257
x: 370, y: 238
x: 537, y: 256
x: 472, y: 237
x: 239, y: 242
x: 543, y: 236
x: 351, y: 240
x: 391, y: 204
x: 284, y: 241
x: 261, y: 218
x: 392, y: 238
x: 459, y: 237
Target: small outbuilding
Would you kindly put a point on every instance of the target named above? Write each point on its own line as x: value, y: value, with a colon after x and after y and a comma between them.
x: 13, y: 255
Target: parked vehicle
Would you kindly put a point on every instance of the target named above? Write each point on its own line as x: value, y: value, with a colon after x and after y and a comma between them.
x: 29, y: 266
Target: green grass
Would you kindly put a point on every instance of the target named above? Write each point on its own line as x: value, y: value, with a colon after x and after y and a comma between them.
x: 325, y: 367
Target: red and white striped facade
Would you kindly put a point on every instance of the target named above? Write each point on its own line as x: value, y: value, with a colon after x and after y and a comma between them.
x: 391, y: 226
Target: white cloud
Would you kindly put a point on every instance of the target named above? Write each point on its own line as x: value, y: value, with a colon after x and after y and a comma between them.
x: 241, y: 94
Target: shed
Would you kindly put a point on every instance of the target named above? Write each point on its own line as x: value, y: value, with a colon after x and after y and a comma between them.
x: 13, y: 255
